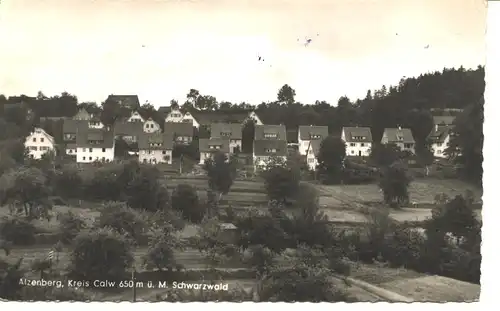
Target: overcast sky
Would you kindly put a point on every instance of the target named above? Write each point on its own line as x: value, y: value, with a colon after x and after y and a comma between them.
x: 161, y: 49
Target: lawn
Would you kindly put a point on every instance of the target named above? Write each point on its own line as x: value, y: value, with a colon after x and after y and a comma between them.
x: 421, y: 191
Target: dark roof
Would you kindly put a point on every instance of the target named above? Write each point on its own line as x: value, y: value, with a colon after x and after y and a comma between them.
x: 179, y: 128
x: 352, y: 134
x: 128, y: 128
x: 260, y: 130
x: 104, y: 136
x: 71, y: 126
x: 164, y: 111
x: 305, y: 131
x: 260, y: 147
x: 438, y: 135
x: 234, y: 129
x: 315, y: 145
x: 443, y: 120
x: 207, y: 117
x: 205, y: 143
x: 393, y: 133
x: 165, y: 139
x: 131, y: 101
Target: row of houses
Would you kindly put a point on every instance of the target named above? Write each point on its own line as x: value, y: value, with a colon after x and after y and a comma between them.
x: 88, y: 140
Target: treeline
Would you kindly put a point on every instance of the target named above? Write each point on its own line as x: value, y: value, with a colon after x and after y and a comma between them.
x: 408, y: 105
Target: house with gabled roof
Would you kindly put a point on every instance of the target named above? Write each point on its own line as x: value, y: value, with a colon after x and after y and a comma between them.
x: 232, y: 131
x: 439, y: 140
x: 38, y: 143
x: 135, y: 116
x: 82, y: 114
x: 127, y: 101
x: 270, y: 132
x: 182, y: 133
x: 128, y: 131
x: 401, y: 137
x: 174, y: 115
x: 312, y: 153
x: 155, y: 148
x: 209, y: 146
x: 358, y: 141
x: 308, y: 133
x: 265, y: 150
x: 95, y: 145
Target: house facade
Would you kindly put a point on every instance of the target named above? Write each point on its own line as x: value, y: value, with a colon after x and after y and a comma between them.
x: 358, y: 141
x: 401, y: 137
x: 135, y: 116
x: 151, y: 126
x: 265, y: 150
x: 181, y: 132
x: 155, y: 148
x: 174, y: 115
x: 312, y: 154
x: 233, y: 132
x: 209, y: 146
x: 439, y: 139
x: 306, y: 134
x: 39, y: 143
x: 95, y: 145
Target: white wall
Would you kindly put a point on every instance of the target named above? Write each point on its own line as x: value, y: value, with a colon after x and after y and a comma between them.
x: 254, y: 116
x: 358, y: 149
x: 438, y: 149
x: 303, y: 145
x: 208, y: 155
x: 174, y: 116
x: 135, y: 117
x: 38, y: 143
x: 151, y: 126
x: 71, y: 151
x: 155, y: 156
x: 233, y: 143
x: 85, y: 155
x: 311, y: 160
x: 97, y: 125
x: 260, y: 162
x: 189, y: 117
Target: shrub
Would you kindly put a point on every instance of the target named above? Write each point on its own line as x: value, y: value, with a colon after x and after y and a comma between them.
x: 123, y: 220
x: 69, y: 226
x: 17, y: 230
x: 403, y: 248
x: 185, y: 199
x: 100, y: 254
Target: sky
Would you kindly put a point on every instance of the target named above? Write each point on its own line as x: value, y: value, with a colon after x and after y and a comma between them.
x: 159, y: 49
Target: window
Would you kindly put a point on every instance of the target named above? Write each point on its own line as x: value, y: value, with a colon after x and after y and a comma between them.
x: 103, y: 149
x: 164, y: 152
x: 352, y: 144
x: 34, y: 139
x: 70, y: 151
x: 352, y: 151
x: 42, y: 140
x: 439, y: 144
x: 90, y: 149
x: 439, y: 151
x: 225, y: 134
x: 90, y: 158
x: 399, y: 137
x: 34, y: 148
x: 149, y: 151
x: 83, y: 158
x: 408, y: 145
x: 362, y: 144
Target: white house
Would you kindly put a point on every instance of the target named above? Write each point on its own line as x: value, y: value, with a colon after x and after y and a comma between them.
x: 264, y: 150
x: 188, y: 118
x: 95, y: 145
x: 401, y: 137
x: 175, y: 115
x: 358, y: 141
x: 135, y: 117
x: 151, y: 126
x: 439, y: 138
x: 208, y: 146
x: 306, y: 134
x: 155, y: 148
x: 312, y: 154
x: 232, y: 131
x: 38, y: 143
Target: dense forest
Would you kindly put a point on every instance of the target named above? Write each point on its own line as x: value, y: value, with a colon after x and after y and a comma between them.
x: 411, y: 103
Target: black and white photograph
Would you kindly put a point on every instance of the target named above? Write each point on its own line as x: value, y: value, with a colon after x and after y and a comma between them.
x: 241, y: 151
